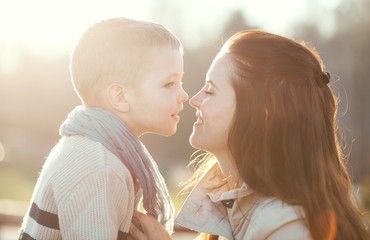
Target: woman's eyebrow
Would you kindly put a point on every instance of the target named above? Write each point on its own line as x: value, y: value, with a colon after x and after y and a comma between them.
x: 211, y: 83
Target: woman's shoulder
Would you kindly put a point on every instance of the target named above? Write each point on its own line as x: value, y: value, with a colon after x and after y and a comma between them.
x: 274, y: 217
x: 271, y: 208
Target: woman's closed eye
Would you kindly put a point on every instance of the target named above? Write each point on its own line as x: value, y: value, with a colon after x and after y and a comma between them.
x: 208, y: 92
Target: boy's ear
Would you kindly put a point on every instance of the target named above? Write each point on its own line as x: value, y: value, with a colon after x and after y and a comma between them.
x: 117, y: 98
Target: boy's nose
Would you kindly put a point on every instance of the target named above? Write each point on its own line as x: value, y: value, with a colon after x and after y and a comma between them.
x: 184, y: 96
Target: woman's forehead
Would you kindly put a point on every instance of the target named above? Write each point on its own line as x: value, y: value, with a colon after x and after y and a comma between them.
x: 220, y: 68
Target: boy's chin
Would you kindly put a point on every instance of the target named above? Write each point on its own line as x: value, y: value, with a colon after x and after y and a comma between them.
x: 167, y: 132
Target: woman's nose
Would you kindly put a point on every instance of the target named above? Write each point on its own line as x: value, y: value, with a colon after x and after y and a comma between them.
x: 194, y: 100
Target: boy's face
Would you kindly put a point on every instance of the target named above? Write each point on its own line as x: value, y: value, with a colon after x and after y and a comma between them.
x: 157, y: 98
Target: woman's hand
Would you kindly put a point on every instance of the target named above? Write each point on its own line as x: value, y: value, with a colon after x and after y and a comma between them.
x: 151, y: 229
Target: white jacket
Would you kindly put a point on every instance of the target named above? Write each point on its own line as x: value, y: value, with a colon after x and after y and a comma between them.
x: 240, y: 213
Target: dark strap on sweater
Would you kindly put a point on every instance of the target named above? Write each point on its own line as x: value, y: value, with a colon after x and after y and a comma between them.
x: 50, y: 220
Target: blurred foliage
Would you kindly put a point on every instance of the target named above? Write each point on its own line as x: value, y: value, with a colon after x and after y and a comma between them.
x: 15, y: 185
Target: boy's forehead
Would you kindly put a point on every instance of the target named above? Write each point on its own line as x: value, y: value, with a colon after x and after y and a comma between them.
x: 154, y: 51
x: 163, y: 55
x: 162, y: 64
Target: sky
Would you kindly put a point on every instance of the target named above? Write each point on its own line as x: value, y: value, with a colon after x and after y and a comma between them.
x: 50, y: 24
x: 53, y: 27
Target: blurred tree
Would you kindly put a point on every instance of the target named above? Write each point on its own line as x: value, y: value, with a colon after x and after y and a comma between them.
x: 361, y: 75
x: 346, y: 54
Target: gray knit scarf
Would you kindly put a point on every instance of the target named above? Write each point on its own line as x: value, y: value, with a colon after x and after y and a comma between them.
x: 105, y: 127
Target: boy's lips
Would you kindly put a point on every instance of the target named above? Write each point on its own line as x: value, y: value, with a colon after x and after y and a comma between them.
x: 176, y: 114
x: 176, y: 117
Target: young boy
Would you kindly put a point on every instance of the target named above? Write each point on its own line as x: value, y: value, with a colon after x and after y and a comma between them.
x: 128, y: 75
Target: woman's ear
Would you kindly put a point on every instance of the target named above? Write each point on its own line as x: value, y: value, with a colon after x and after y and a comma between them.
x: 117, y: 98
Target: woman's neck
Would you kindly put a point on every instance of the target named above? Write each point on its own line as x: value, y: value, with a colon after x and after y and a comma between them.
x: 228, y: 168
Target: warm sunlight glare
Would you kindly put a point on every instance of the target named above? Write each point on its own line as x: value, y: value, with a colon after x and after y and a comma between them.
x: 281, y: 16
x: 56, y: 25
x: 9, y: 57
x: 275, y: 15
x: 52, y: 24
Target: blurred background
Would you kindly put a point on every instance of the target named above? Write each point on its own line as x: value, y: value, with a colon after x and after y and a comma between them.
x: 37, y: 37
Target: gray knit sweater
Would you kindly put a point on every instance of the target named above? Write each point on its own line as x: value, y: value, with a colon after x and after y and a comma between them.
x: 84, y: 192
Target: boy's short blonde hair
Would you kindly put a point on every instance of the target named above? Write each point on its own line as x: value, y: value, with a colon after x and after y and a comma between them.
x: 114, y: 51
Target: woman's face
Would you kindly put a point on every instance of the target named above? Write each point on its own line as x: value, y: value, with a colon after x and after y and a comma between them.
x: 215, y: 104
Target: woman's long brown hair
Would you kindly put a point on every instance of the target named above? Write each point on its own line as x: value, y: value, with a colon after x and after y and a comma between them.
x: 285, y: 139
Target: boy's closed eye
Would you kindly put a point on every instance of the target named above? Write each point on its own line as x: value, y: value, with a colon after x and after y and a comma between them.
x: 173, y: 83
x: 170, y: 84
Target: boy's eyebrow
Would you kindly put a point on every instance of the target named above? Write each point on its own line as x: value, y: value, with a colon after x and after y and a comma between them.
x: 174, y: 75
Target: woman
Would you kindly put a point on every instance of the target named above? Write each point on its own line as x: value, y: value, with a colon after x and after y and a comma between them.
x: 276, y: 170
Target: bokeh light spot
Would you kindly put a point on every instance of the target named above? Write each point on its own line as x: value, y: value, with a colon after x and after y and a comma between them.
x: 2, y: 152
